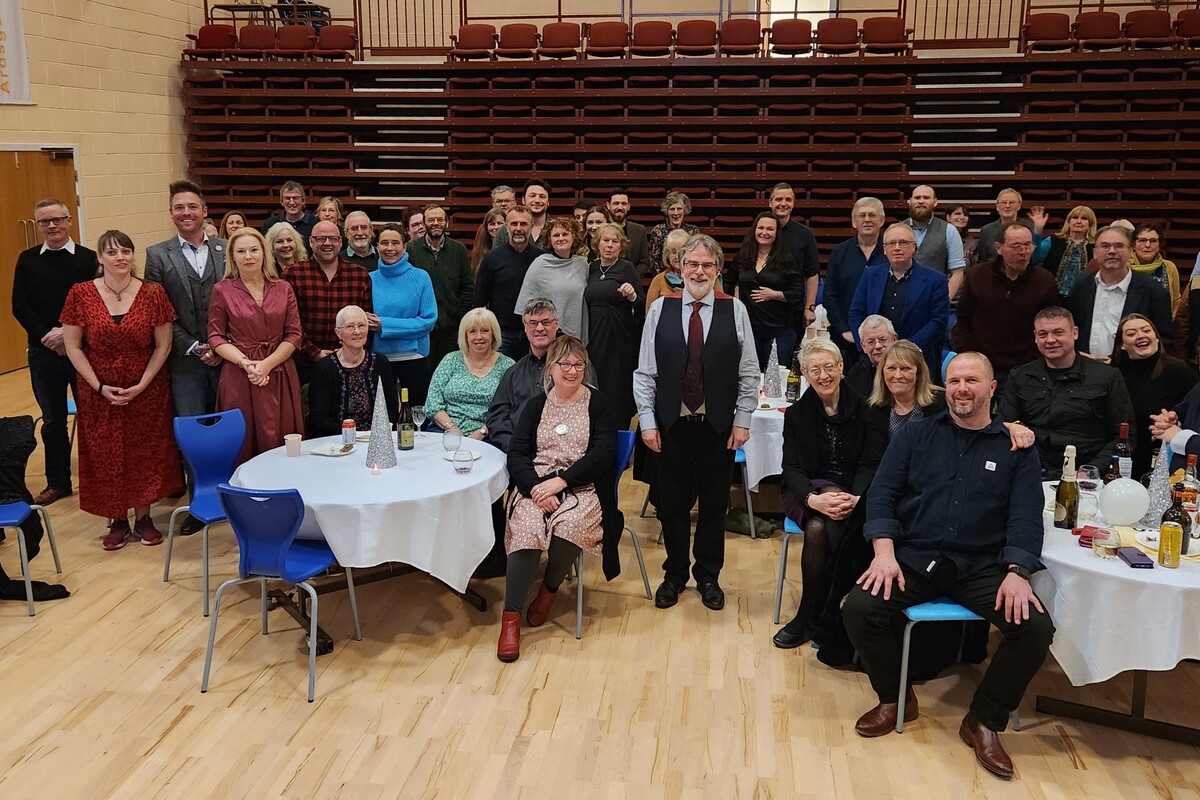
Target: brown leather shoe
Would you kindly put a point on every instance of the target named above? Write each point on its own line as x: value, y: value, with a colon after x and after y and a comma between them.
x: 539, y: 609
x: 986, y: 742
x: 881, y: 719
x: 50, y: 495
x: 509, y: 646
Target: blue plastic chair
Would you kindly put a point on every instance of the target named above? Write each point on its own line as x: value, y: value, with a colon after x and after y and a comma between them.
x: 940, y: 610
x: 790, y: 529
x: 11, y: 516
x: 265, y: 523
x: 210, y: 443
x: 72, y: 412
x: 739, y: 457
x: 621, y: 461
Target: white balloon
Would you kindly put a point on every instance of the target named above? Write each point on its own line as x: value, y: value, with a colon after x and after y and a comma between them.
x: 1124, y: 501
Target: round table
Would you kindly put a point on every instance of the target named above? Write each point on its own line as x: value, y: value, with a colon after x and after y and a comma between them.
x: 1109, y: 617
x: 420, y: 512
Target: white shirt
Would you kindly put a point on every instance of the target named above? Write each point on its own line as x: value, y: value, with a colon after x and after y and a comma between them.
x: 1106, y: 314
x: 646, y: 374
x: 69, y: 247
x: 196, y: 256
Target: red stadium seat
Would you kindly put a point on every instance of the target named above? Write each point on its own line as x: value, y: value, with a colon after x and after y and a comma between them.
x: 254, y: 41
x: 837, y: 36
x: 1099, y: 30
x: 739, y: 37
x: 212, y: 41
x: 696, y: 37
x: 887, y: 36
x: 790, y: 37
x: 652, y: 38
x: 473, y: 42
x: 559, y: 40
x: 295, y: 41
x: 336, y: 41
x: 518, y: 40
x: 607, y: 40
x: 1150, y: 29
x: 1047, y: 32
x: 1187, y: 27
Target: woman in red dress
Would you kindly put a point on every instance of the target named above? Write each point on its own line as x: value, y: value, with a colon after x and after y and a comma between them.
x: 117, y: 331
x: 254, y: 324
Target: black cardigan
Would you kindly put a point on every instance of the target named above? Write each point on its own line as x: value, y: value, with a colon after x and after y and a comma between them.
x: 595, y: 466
x: 863, y: 441
x: 325, y: 412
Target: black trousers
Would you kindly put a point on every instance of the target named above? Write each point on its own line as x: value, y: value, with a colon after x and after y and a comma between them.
x: 872, y: 624
x: 695, y: 460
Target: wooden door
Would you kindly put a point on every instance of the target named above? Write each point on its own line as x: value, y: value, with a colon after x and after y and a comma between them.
x: 26, y: 176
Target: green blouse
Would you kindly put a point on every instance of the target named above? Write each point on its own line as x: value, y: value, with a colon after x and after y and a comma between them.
x: 465, y: 397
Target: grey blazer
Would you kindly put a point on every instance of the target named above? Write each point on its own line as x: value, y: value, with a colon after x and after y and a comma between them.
x: 189, y: 292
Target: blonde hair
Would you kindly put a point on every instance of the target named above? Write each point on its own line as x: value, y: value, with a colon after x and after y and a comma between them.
x: 1079, y: 211
x: 614, y: 229
x: 268, y: 265
x: 474, y: 317
x: 281, y: 227
x: 560, y: 348
x: 678, y: 235
x: 909, y: 353
x: 337, y: 206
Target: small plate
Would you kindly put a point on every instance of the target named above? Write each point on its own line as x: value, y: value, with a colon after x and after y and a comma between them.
x: 1147, y: 539
x: 449, y: 455
x: 362, y: 436
x: 333, y: 449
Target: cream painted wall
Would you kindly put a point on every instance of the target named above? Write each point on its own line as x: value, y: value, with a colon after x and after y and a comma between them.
x: 105, y: 78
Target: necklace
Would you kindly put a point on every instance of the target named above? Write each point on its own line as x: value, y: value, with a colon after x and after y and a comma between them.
x: 604, y: 270
x: 116, y: 292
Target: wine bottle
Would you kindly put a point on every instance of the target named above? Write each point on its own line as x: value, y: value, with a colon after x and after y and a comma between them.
x: 405, y: 427
x: 1066, y: 499
x: 1124, y: 451
x: 792, y: 392
x: 1153, y: 463
x: 1114, y: 470
x: 1174, y: 530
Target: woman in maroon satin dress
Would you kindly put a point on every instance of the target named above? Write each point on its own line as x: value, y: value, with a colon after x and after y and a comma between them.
x: 117, y: 332
x: 254, y: 324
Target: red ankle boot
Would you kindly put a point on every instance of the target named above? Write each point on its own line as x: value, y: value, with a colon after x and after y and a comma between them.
x: 509, y: 646
x: 539, y: 609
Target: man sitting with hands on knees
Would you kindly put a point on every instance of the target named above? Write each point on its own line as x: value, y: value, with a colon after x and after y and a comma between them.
x: 954, y: 511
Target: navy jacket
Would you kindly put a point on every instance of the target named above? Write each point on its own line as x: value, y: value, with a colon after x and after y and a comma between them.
x: 926, y: 314
x: 842, y: 274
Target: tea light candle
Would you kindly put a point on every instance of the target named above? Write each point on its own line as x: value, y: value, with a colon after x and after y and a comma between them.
x: 374, y: 469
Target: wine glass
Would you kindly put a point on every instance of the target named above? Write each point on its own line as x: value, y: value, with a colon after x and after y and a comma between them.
x: 451, y: 440
x: 1088, y: 477
x: 464, y: 460
x: 418, y: 415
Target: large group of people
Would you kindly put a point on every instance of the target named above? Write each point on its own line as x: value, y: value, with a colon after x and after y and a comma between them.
x: 550, y: 333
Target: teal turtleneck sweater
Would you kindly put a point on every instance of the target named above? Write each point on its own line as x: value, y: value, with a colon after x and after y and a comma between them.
x: 403, y: 299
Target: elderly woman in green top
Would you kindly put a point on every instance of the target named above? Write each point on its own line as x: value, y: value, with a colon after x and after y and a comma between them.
x: 463, y: 383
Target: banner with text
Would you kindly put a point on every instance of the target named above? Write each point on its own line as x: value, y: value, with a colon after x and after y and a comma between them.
x: 14, y: 62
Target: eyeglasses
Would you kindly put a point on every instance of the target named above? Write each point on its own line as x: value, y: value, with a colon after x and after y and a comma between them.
x: 1144, y: 240
x: 824, y: 369
x: 48, y: 221
x: 540, y: 323
x: 325, y: 239
x: 566, y: 367
x: 1112, y: 246
x: 904, y: 243
x: 699, y: 264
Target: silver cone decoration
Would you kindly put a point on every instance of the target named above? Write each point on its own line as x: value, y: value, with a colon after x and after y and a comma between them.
x: 381, y: 449
x: 771, y: 385
x: 1160, y: 491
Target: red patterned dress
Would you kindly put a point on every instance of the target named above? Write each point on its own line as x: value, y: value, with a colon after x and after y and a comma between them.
x: 127, y: 454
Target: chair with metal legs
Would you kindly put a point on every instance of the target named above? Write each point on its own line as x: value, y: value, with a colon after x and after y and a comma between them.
x: 11, y: 516
x: 790, y: 529
x: 940, y: 610
x: 210, y: 443
x: 265, y: 523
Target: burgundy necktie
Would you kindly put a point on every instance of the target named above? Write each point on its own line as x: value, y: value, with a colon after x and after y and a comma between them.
x: 693, y: 373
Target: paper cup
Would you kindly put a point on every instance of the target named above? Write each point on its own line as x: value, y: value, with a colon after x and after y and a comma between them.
x: 292, y: 442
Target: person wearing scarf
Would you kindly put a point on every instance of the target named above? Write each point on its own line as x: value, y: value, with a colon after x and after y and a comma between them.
x: 560, y: 275
x: 1148, y: 259
x: 1068, y: 252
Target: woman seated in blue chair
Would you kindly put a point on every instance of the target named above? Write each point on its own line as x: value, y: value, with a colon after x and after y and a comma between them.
x: 560, y: 460
x: 344, y: 382
x: 831, y: 448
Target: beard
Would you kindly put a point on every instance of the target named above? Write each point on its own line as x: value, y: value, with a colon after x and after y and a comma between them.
x: 964, y: 407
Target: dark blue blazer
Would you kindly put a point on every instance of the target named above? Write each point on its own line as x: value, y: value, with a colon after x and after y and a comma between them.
x: 926, y: 314
x: 1145, y: 296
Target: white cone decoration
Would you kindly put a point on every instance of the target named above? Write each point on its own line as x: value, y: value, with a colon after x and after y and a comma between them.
x: 381, y: 449
x: 771, y: 384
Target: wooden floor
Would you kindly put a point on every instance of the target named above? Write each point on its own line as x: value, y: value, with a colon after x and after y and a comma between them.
x: 102, y: 694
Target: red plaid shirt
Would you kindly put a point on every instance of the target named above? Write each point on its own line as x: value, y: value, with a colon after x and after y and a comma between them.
x: 320, y: 300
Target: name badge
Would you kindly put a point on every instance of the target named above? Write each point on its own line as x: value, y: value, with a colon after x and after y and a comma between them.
x: 990, y: 466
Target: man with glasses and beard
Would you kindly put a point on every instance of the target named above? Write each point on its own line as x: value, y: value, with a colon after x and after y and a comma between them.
x: 954, y: 511
x: 449, y: 266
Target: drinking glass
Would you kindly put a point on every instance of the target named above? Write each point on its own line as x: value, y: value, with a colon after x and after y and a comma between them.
x: 1088, y: 477
x: 451, y: 440
x: 418, y: 415
x: 1106, y: 543
x: 464, y: 460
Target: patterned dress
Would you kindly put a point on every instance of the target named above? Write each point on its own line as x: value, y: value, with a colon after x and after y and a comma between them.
x: 578, y: 516
x: 127, y: 454
x: 462, y: 394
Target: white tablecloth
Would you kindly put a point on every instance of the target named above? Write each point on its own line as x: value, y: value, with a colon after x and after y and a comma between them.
x: 764, y: 448
x: 1110, y: 617
x: 420, y: 512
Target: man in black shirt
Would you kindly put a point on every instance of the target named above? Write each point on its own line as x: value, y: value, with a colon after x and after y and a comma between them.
x: 501, y: 273
x: 954, y: 512
x: 876, y: 334
x: 42, y: 278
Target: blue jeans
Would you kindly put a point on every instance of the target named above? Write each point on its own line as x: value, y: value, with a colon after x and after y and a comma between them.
x: 194, y: 391
x: 785, y: 345
x: 51, y: 374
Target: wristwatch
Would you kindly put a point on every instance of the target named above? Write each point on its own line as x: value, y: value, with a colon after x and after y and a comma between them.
x: 1017, y: 569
